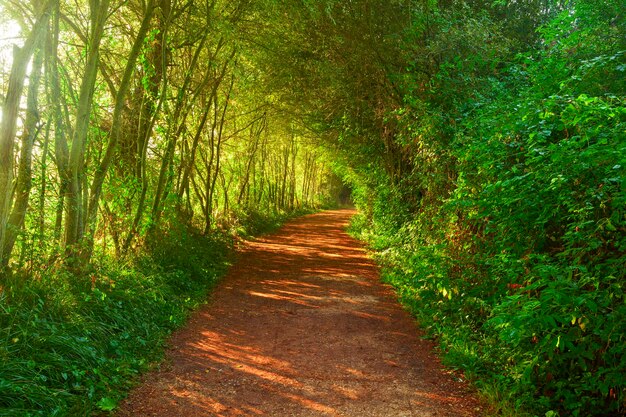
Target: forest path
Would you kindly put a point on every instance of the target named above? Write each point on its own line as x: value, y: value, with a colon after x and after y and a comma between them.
x: 301, y: 326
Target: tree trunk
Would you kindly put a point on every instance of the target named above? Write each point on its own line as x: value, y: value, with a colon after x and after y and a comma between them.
x: 56, y: 102
x: 44, y: 182
x: 172, y: 137
x: 10, y: 112
x: 218, y: 150
x: 74, y: 222
x: 24, y: 176
x: 100, y: 174
x: 149, y: 112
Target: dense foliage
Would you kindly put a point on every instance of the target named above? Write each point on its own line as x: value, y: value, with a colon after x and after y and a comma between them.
x: 487, y: 152
x: 484, y: 143
x: 120, y: 116
x: 135, y: 143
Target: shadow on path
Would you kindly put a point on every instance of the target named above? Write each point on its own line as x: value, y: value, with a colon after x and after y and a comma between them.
x: 301, y: 326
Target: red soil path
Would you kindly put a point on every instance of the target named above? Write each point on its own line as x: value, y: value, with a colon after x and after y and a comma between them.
x: 301, y: 326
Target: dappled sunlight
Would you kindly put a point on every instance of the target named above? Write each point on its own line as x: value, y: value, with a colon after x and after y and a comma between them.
x: 281, y: 298
x: 349, y: 393
x: 292, y: 332
x: 289, y: 283
x: 355, y: 372
x: 435, y: 396
x: 189, y: 393
x: 370, y: 316
x: 312, y: 405
x: 290, y: 293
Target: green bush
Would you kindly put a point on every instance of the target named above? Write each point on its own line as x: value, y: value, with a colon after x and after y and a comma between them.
x: 517, y: 262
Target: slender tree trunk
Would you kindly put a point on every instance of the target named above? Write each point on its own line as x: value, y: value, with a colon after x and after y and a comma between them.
x: 44, y: 182
x: 283, y: 182
x: 122, y: 91
x: 305, y: 179
x: 226, y: 191
x: 292, y: 174
x: 149, y: 113
x: 172, y: 137
x: 24, y: 176
x: 208, y: 162
x: 198, y: 191
x: 214, y: 91
x: 218, y: 149
x: 262, y: 172
x: 255, y: 137
x: 57, y: 103
x: 74, y: 223
x: 10, y: 112
x: 184, y: 183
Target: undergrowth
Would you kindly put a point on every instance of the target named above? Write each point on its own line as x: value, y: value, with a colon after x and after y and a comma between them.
x: 74, y: 345
x: 507, y: 236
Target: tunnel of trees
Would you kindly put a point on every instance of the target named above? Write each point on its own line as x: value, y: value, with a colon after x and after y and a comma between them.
x: 483, y: 142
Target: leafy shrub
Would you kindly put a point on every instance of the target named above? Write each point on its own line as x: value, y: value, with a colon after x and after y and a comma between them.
x: 517, y: 263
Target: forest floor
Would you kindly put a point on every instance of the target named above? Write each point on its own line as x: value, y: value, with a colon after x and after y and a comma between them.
x: 302, y: 326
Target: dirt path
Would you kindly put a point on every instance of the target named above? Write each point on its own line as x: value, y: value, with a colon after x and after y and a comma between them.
x: 301, y: 326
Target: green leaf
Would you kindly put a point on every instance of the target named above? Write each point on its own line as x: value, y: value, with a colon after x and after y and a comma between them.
x: 106, y: 404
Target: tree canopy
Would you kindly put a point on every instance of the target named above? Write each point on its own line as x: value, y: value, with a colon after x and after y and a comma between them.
x: 483, y: 142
